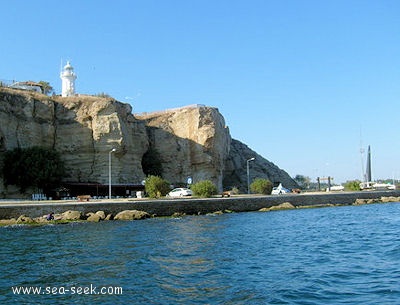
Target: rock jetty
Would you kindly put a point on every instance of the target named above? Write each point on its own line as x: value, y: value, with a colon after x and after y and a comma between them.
x: 27, y: 213
x: 73, y: 216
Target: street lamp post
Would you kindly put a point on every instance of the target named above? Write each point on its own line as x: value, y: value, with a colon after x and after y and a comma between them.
x: 109, y: 172
x: 248, y: 175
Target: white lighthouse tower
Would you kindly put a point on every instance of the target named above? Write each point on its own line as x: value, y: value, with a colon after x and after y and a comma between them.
x: 68, y: 78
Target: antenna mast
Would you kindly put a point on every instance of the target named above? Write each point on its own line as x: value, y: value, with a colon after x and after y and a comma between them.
x: 362, y: 150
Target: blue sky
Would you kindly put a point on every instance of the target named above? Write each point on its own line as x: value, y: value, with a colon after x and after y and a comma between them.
x: 303, y: 83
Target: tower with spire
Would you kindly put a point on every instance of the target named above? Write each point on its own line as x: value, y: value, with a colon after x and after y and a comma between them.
x: 68, y: 78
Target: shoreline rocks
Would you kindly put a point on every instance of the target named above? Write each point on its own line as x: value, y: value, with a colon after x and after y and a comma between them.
x: 383, y: 199
x: 70, y: 215
x: 282, y: 206
x: 74, y: 216
x: 29, y: 216
x: 131, y: 215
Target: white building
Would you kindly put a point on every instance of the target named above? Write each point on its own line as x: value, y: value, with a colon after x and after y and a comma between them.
x: 68, y: 78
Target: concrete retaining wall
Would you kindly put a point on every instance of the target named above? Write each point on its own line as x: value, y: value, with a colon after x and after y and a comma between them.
x: 167, y: 207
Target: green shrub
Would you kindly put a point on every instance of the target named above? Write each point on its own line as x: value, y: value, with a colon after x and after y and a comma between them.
x: 353, y: 185
x: 204, y: 188
x: 46, y: 88
x: 261, y: 186
x: 156, y: 186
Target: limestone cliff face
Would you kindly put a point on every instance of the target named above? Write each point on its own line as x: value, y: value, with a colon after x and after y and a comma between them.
x: 25, y: 119
x: 83, y: 129
x: 193, y: 142
x: 235, y: 174
x: 88, y: 128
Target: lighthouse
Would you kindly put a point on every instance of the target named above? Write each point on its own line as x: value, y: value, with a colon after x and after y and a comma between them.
x: 68, y: 78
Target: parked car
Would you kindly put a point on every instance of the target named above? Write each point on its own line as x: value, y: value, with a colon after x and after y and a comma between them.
x: 179, y: 192
x: 335, y: 188
x: 280, y: 190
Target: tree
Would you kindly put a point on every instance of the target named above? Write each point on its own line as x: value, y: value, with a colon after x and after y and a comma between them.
x: 156, y: 187
x: 353, y: 185
x: 32, y: 167
x: 204, y: 188
x: 303, y: 181
x: 261, y: 186
x: 46, y: 88
x: 103, y: 94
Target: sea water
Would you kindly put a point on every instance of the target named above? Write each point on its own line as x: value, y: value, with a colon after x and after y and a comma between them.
x: 341, y: 255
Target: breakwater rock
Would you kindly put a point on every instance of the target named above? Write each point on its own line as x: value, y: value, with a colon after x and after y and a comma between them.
x: 131, y: 215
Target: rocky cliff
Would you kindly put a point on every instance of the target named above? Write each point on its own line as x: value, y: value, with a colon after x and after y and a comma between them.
x: 192, y: 141
x: 83, y: 129
x: 235, y: 172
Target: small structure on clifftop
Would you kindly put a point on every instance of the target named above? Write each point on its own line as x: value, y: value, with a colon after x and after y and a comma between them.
x: 68, y: 78
x: 27, y: 85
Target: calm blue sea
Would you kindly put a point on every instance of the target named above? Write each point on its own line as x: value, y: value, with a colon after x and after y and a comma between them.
x: 341, y: 255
